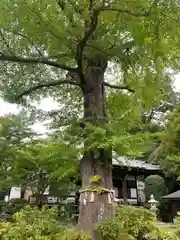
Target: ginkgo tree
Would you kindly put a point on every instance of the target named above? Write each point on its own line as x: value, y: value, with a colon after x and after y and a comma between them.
x: 54, y: 46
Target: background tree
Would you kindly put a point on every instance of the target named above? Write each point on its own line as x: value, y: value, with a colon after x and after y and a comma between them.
x: 43, y: 40
x: 159, y: 186
x: 167, y: 152
x: 155, y: 185
x: 40, y: 164
x: 13, y: 131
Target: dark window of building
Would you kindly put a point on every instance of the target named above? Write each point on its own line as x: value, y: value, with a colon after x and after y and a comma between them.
x: 131, y: 184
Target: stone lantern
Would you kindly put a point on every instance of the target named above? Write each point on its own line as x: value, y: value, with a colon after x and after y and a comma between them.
x: 153, y: 204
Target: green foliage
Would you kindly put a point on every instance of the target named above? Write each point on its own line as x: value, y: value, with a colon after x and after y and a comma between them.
x: 111, y: 230
x: 130, y: 223
x: 97, y: 189
x: 35, y: 163
x: 41, y: 164
x: 15, y: 205
x: 73, y: 234
x: 139, y: 48
x: 68, y: 213
x: 133, y: 223
x: 13, y: 131
x: 155, y: 185
x: 177, y: 221
x: 138, y: 221
x: 31, y: 223
x: 95, y: 178
x: 167, y: 153
x: 42, y: 40
x: 164, y: 211
x: 160, y: 234
x: 2, y: 203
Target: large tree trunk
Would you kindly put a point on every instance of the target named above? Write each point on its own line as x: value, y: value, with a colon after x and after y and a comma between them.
x: 96, y: 199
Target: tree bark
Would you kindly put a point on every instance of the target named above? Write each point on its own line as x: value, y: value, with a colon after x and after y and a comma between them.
x: 95, y: 206
x: 38, y: 198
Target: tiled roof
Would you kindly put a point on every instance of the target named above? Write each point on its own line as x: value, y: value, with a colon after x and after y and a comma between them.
x: 173, y: 195
x: 133, y: 163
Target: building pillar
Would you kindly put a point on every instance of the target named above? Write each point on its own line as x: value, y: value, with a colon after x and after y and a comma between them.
x: 137, y: 192
x: 124, y: 190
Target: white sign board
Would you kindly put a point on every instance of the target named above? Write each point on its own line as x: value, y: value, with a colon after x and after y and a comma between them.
x: 6, y: 198
x: 133, y: 192
x: 116, y: 192
x: 15, y: 193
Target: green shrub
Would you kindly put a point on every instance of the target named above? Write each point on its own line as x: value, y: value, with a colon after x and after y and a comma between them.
x: 160, y: 234
x: 3, y: 204
x: 72, y: 234
x: 15, y: 205
x: 68, y: 213
x: 130, y: 223
x: 177, y: 224
x: 111, y: 230
x: 137, y: 220
x: 31, y: 223
x: 164, y: 210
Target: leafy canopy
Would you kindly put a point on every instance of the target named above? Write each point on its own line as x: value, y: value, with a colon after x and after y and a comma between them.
x: 167, y: 153
x: 36, y: 163
x: 141, y: 37
x: 41, y: 41
x: 13, y: 131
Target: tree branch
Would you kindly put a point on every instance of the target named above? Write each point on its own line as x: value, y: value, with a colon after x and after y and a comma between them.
x: 88, y: 33
x: 139, y: 14
x: 30, y: 41
x: 9, y: 58
x: 61, y: 4
x: 82, y: 44
x: 154, y: 4
x: 92, y: 28
x: 119, y: 87
x: 46, y: 85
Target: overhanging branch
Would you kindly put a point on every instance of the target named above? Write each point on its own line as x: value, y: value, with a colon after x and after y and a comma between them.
x: 46, y: 85
x: 9, y: 58
x: 119, y: 87
x: 126, y: 11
